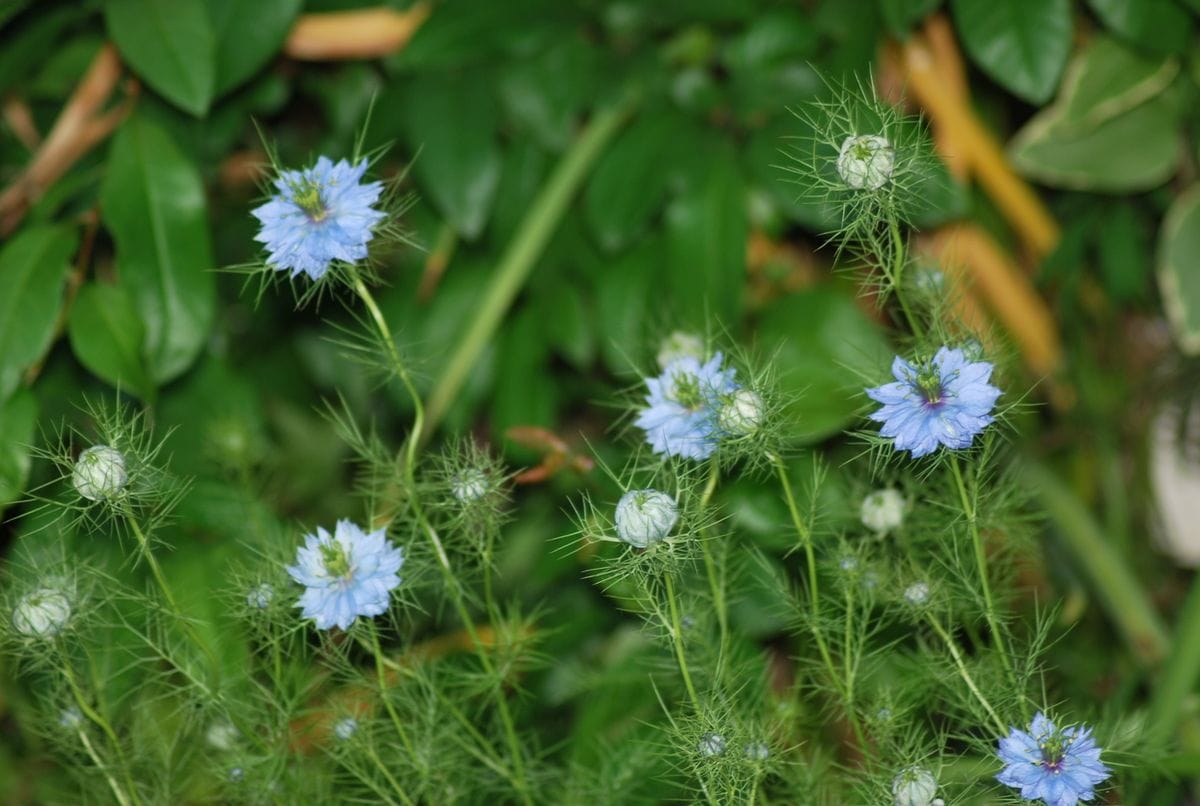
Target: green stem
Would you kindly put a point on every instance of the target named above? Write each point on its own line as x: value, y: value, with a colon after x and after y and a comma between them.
x: 93, y: 715
x: 966, y: 675
x: 522, y: 254
x: 981, y: 564
x: 677, y: 635
x: 387, y: 774
x: 1180, y: 673
x: 898, y: 273
x: 387, y: 702
x: 715, y: 583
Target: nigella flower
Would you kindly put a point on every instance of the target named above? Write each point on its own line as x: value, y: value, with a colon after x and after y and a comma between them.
x: 347, y: 574
x: 319, y: 215
x: 1059, y: 766
x: 946, y: 402
x: 683, y: 407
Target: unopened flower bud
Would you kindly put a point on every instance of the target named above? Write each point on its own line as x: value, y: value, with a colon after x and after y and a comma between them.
x: 866, y: 161
x: 757, y: 751
x: 711, y: 744
x: 221, y: 735
x: 470, y: 485
x: 42, y: 613
x: 260, y: 596
x: 70, y: 718
x: 917, y: 594
x: 680, y: 345
x: 741, y: 413
x: 345, y: 728
x: 883, y: 510
x: 99, y: 473
x: 914, y: 786
x: 645, y: 517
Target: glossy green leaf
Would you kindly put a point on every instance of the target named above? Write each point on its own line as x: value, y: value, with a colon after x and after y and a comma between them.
x: 1108, y: 79
x: 247, y: 35
x: 106, y: 334
x: 706, y: 232
x: 18, y: 417
x: 170, y: 45
x: 154, y: 206
x: 1178, y: 279
x: 1022, y: 44
x: 902, y: 15
x: 1161, y: 26
x: 452, y: 120
x: 828, y: 352
x: 33, y: 268
x: 544, y: 94
x: 628, y: 185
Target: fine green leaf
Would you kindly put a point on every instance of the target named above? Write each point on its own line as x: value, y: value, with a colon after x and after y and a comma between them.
x: 154, y: 206
x: 33, y: 267
x: 452, y: 120
x: 18, y: 417
x: 828, y: 351
x: 1178, y: 280
x: 106, y: 334
x: 1022, y: 44
x: 247, y: 35
x: 1160, y: 26
x: 170, y: 45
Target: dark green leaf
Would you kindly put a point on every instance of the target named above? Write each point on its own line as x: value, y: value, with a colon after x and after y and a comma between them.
x: 106, y: 334
x: 154, y: 206
x: 829, y: 351
x: 452, y: 120
x: 247, y: 35
x: 902, y: 15
x: 568, y: 323
x: 18, y: 416
x: 544, y: 94
x: 706, y: 234
x: 33, y: 267
x: 1124, y: 252
x: 623, y: 304
x: 1022, y: 44
x: 29, y: 43
x: 170, y: 45
x: 1178, y: 280
x: 1160, y: 26
x: 526, y: 393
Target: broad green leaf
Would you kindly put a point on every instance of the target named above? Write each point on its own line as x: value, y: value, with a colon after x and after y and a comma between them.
x: 33, y: 268
x: 247, y: 35
x: 902, y: 15
x: 452, y: 120
x: 1022, y: 44
x: 1161, y: 26
x: 628, y: 185
x: 106, y: 334
x: 1179, y: 269
x: 828, y: 352
x: 706, y: 232
x: 766, y: 160
x: 567, y: 320
x: 526, y: 393
x: 28, y: 44
x: 153, y: 204
x: 1124, y: 250
x: 623, y: 305
x: 544, y: 94
x: 18, y: 416
x: 170, y: 45
x: 1107, y: 79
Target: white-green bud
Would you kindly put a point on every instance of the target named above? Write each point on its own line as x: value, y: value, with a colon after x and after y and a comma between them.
x: 42, y: 613
x: 883, y: 510
x: 866, y: 161
x: 71, y: 718
x: 221, y: 735
x: 741, y: 413
x: 260, y: 596
x: 914, y: 786
x: 470, y: 485
x: 757, y: 751
x: 99, y: 473
x: 345, y: 728
x: 711, y: 744
x: 680, y: 345
x: 917, y: 594
x: 645, y: 517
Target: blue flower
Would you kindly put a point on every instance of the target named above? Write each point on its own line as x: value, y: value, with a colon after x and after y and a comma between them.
x: 347, y: 574
x: 946, y: 402
x: 683, y: 406
x: 320, y: 214
x: 1060, y: 766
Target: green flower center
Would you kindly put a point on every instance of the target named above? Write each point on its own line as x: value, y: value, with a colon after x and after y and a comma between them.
x: 687, y: 392
x: 307, y: 196
x: 337, y: 564
x: 1054, y: 749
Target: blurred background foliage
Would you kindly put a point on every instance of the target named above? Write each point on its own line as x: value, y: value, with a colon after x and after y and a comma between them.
x: 132, y: 149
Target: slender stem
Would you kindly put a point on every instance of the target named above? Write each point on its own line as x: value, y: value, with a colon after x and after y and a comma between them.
x: 677, y: 635
x: 388, y: 775
x: 898, y: 272
x: 715, y: 583
x: 523, y: 252
x: 112, y: 783
x: 966, y: 675
x: 92, y: 714
x: 387, y: 702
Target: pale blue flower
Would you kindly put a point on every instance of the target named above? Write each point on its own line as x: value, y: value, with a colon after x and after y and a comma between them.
x: 683, y: 406
x: 345, y: 728
x: 1059, y: 766
x: 319, y: 215
x: 347, y: 574
x: 946, y: 402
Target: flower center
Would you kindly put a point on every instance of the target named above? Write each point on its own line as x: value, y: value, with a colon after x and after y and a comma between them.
x: 307, y: 196
x: 929, y: 384
x: 687, y: 392
x: 337, y: 564
x: 1054, y: 749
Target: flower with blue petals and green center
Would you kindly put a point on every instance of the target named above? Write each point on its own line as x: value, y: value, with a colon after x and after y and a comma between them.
x: 683, y: 407
x: 347, y: 574
x: 1060, y: 766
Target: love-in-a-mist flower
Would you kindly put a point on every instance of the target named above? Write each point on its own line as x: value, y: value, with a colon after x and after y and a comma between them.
x: 741, y: 413
x: 866, y: 161
x: 260, y: 596
x: 469, y: 485
x: 345, y: 728
x: 757, y: 751
x: 679, y: 344
x: 917, y: 594
x: 99, y: 473
x: 645, y: 517
x: 319, y: 215
x: 947, y: 401
x: 42, y: 613
x: 1061, y: 766
x: 680, y: 418
x: 914, y: 786
x: 882, y: 511
x: 347, y: 574
x: 711, y: 744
